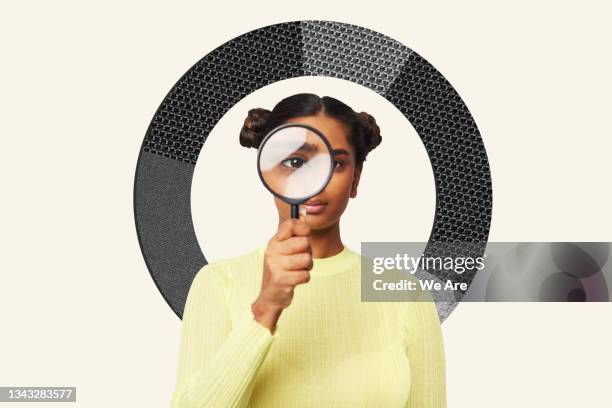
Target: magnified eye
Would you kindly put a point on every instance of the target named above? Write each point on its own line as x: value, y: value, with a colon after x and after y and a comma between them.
x: 293, y: 162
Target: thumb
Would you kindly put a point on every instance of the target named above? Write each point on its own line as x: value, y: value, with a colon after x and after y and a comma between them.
x: 302, y: 212
x: 301, y: 227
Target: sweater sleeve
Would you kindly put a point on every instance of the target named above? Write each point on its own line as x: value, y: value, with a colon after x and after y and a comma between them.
x: 218, y: 360
x: 425, y: 351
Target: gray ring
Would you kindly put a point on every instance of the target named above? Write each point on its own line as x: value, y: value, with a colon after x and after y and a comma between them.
x: 179, y: 129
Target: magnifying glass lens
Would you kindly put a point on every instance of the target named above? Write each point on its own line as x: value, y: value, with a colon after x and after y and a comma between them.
x: 295, y: 163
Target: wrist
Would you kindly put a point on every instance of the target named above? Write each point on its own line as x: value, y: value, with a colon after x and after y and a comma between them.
x: 261, y: 309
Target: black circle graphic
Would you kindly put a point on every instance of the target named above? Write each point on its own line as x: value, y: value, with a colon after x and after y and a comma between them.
x: 261, y: 57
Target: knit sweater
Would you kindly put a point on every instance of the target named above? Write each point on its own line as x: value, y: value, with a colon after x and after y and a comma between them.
x: 329, y: 349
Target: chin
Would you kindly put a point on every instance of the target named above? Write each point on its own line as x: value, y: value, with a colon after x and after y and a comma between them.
x: 319, y: 221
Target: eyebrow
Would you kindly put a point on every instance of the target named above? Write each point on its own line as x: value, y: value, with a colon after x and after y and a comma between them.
x: 309, y: 147
x: 336, y: 152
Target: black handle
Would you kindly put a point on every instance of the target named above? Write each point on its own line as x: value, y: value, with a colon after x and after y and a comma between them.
x: 295, y: 211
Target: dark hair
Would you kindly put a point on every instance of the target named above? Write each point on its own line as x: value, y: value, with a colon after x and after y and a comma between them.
x: 364, y: 133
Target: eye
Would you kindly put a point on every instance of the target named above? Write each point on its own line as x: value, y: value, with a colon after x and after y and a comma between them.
x: 338, y: 164
x: 293, y: 162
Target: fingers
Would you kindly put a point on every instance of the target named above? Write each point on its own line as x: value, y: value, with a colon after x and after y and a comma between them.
x: 292, y: 227
x: 294, y: 278
x: 300, y: 228
x: 284, y: 230
x: 294, y: 245
x: 297, y: 262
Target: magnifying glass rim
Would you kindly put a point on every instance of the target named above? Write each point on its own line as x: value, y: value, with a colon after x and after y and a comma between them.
x: 331, y: 165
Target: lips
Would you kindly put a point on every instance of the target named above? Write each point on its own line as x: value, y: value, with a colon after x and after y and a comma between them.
x: 315, y: 202
x: 314, y: 206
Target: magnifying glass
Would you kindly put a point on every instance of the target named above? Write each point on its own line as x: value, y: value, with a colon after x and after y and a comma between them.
x: 295, y: 163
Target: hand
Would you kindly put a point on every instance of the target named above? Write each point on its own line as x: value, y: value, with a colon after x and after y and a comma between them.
x: 287, y: 263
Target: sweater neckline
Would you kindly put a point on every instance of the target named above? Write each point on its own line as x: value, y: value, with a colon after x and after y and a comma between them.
x: 342, y: 261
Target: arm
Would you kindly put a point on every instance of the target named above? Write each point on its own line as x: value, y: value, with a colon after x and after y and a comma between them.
x: 425, y: 351
x: 217, y: 362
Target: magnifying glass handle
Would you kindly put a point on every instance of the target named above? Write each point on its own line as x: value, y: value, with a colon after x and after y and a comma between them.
x: 295, y: 211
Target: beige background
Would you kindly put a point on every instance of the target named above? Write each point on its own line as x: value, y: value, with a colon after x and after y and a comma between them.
x: 396, y: 198
x: 80, y: 83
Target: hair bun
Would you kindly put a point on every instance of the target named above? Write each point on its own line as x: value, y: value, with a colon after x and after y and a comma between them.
x: 250, y: 134
x: 372, y: 130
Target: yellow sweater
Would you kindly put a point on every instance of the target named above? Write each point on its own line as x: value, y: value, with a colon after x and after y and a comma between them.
x: 329, y: 348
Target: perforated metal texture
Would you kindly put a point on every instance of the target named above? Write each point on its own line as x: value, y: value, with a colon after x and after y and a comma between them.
x: 258, y: 58
x: 217, y: 82
x: 455, y: 149
x: 352, y: 53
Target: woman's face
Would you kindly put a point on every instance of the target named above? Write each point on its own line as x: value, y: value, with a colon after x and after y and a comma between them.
x: 325, y: 209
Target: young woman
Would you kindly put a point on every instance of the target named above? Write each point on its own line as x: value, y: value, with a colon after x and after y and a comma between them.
x: 284, y: 325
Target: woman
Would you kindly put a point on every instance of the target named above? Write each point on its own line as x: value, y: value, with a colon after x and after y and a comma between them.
x: 284, y: 325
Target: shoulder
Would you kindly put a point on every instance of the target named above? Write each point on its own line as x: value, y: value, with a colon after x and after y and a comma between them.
x: 352, y: 255
x: 226, y: 271
x: 421, y: 319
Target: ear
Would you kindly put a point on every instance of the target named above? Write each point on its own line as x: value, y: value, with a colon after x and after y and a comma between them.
x: 356, y: 177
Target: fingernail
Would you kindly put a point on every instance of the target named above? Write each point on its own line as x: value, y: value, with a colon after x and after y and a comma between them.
x: 302, y: 211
